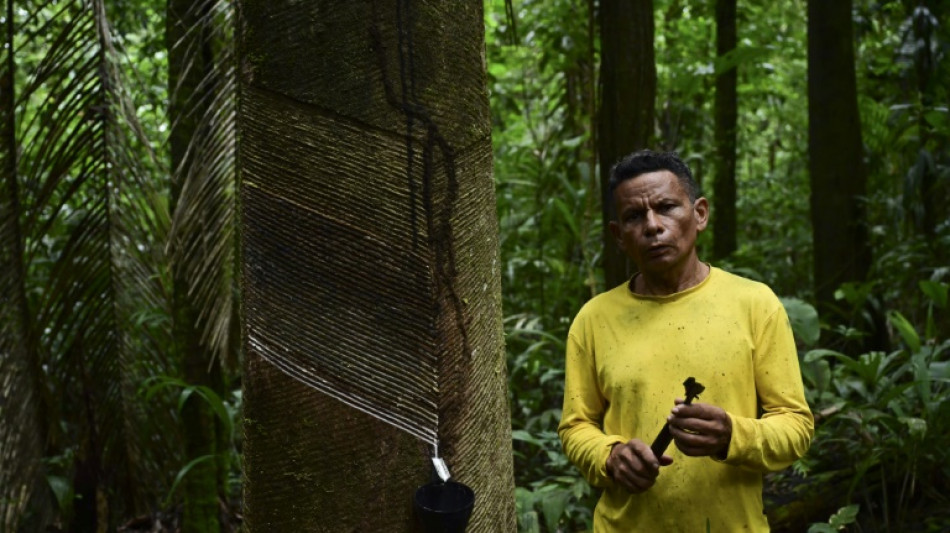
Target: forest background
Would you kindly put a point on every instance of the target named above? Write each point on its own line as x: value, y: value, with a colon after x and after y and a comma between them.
x: 107, y: 199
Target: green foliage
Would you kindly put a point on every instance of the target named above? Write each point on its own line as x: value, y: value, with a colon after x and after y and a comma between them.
x: 845, y: 516
x: 227, y: 413
x: 903, y: 77
x: 804, y: 320
x: 224, y: 412
x: 85, y: 220
x: 771, y: 169
x: 183, y: 472
x: 93, y: 219
x: 63, y: 490
x: 81, y: 239
x: 887, y: 437
x: 551, y: 234
x: 541, y: 79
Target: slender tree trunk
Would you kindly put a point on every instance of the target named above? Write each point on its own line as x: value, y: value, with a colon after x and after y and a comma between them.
x: 371, y: 279
x: 926, y: 18
x: 190, y: 60
x: 593, y: 179
x: 22, y: 388
x: 724, y: 188
x: 627, y: 104
x: 88, y: 470
x: 836, y: 158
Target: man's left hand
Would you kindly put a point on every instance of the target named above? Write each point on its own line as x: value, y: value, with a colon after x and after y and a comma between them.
x: 701, y: 429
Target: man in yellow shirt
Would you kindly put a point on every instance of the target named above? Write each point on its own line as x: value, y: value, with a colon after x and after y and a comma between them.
x: 630, y: 349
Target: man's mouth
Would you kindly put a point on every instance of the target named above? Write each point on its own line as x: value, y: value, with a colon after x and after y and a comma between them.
x: 657, y: 249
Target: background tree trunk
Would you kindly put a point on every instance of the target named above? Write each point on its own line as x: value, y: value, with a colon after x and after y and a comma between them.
x: 724, y: 186
x: 370, y: 265
x: 627, y: 105
x: 836, y: 157
x: 22, y: 406
x: 190, y: 63
x: 931, y: 81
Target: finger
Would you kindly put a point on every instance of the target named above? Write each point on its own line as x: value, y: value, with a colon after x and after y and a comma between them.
x: 697, y: 410
x: 637, y: 481
x: 698, y: 426
x: 696, y: 444
x: 627, y: 460
x: 643, y: 468
x: 646, y: 455
x: 718, y: 428
x: 633, y: 476
x: 689, y: 437
x: 636, y: 467
x: 638, y: 484
x: 692, y: 445
x: 693, y: 451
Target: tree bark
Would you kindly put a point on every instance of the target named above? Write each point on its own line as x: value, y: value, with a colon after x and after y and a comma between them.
x: 371, y: 276
x: 836, y: 158
x: 627, y: 106
x: 724, y: 186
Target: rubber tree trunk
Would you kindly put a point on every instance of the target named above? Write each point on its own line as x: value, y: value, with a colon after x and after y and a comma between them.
x: 724, y: 186
x: 835, y: 151
x: 190, y: 59
x: 371, y: 276
x: 627, y: 104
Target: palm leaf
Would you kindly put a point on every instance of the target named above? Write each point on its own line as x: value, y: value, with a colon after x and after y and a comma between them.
x: 201, y: 244
x: 22, y: 434
x: 91, y: 223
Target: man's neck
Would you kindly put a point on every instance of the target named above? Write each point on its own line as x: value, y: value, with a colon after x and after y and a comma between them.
x: 652, y: 285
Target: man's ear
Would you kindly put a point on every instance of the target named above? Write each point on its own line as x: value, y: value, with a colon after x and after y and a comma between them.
x: 701, y: 212
x: 615, y: 231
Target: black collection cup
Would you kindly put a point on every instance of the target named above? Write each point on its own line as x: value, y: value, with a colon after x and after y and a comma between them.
x: 444, y: 507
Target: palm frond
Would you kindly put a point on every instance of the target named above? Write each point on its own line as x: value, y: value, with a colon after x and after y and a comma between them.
x: 22, y: 434
x: 201, y: 244
x: 92, y: 221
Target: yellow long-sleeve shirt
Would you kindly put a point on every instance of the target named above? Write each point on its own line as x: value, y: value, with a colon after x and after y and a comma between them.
x: 627, y: 357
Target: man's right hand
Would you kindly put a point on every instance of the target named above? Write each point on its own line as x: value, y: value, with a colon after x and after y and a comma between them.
x: 633, y: 466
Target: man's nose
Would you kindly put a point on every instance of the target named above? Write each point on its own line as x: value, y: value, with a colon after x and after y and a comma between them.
x: 652, y: 224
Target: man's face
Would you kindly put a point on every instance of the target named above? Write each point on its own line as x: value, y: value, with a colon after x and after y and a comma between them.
x: 656, y: 223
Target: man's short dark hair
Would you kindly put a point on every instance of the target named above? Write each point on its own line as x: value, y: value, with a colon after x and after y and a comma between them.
x: 645, y: 161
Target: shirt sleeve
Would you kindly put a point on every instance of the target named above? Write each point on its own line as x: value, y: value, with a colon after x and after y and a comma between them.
x: 584, y: 441
x: 784, y: 431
